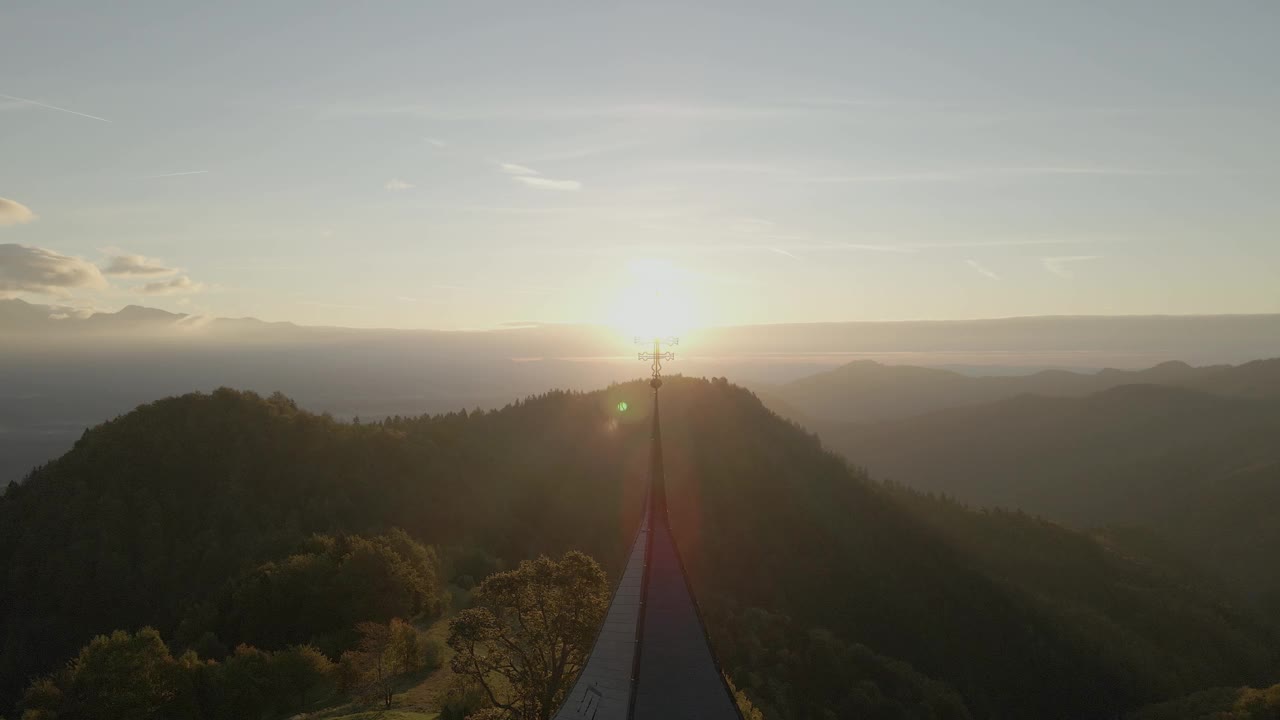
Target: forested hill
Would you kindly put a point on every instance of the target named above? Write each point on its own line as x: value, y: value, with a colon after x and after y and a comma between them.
x: 151, y: 515
x: 1202, y: 470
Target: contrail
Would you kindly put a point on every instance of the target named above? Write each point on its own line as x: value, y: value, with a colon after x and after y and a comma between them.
x: 54, y: 107
x: 173, y: 174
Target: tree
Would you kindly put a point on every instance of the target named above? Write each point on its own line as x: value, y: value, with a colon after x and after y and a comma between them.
x: 746, y: 708
x: 244, y: 683
x: 123, y: 676
x: 532, y: 627
x: 384, y: 654
x: 42, y: 700
x: 302, y: 671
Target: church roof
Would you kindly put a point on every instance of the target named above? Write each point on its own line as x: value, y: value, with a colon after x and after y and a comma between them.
x: 652, y: 659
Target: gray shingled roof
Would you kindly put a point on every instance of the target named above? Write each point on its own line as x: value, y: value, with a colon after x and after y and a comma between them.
x: 652, y: 659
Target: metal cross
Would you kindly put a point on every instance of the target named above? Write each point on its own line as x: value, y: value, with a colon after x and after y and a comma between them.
x: 657, y: 356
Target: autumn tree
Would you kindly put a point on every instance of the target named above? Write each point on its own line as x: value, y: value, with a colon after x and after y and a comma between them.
x: 133, y: 676
x: 302, y: 671
x: 384, y: 655
x: 530, y: 631
x: 122, y: 675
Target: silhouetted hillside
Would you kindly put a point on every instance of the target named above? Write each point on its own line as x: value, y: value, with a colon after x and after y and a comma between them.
x: 150, y: 517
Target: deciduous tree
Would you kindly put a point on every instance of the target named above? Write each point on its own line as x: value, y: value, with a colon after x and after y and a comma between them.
x: 532, y: 627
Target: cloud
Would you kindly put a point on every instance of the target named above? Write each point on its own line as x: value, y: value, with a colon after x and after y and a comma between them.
x: 137, y: 265
x: 437, y: 142
x: 1003, y: 243
x: 1059, y: 265
x: 177, y: 286
x: 54, y: 107
x: 548, y: 183
x: 985, y: 173
x: 13, y: 212
x: 174, y: 174
x: 37, y: 270
x: 534, y: 179
x: 981, y: 269
x: 784, y: 253
x: 514, y: 169
x: 396, y: 185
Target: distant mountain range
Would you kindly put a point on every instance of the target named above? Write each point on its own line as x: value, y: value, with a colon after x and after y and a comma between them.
x: 1051, y: 341
x: 20, y: 318
x: 868, y: 391
x: 62, y: 370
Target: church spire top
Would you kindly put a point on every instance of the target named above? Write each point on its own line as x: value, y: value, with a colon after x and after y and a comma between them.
x: 657, y: 474
x: 656, y: 357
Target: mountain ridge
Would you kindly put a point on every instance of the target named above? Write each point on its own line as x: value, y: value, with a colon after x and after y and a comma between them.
x: 865, y: 390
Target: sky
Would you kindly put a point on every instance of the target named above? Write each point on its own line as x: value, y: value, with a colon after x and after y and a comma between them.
x: 468, y: 165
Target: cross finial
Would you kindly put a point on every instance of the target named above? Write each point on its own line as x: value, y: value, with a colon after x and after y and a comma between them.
x: 657, y: 356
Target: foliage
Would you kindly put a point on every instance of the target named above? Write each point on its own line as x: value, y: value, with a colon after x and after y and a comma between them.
x: 122, y: 676
x: 747, y: 708
x: 533, y: 627
x: 463, y: 699
x: 134, y: 676
x: 319, y: 594
x: 304, y: 672
x: 383, y: 655
x: 1219, y: 704
x: 794, y: 674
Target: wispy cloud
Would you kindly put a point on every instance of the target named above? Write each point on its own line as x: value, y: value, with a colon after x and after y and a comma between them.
x: 659, y: 110
x: 532, y: 178
x: 1060, y: 265
x: 981, y: 269
x: 971, y: 174
x: 53, y: 107
x: 173, y: 174
x: 546, y: 183
x: 397, y: 185
x: 13, y: 212
x: 703, y: 249
x: 176, y: 286
x: 137, y: 265
x: 514, y: 169
x: 437, y: 142
x: 1023, y: 242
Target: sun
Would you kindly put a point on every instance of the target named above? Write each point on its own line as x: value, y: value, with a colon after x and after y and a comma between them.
x: 656, y: 301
